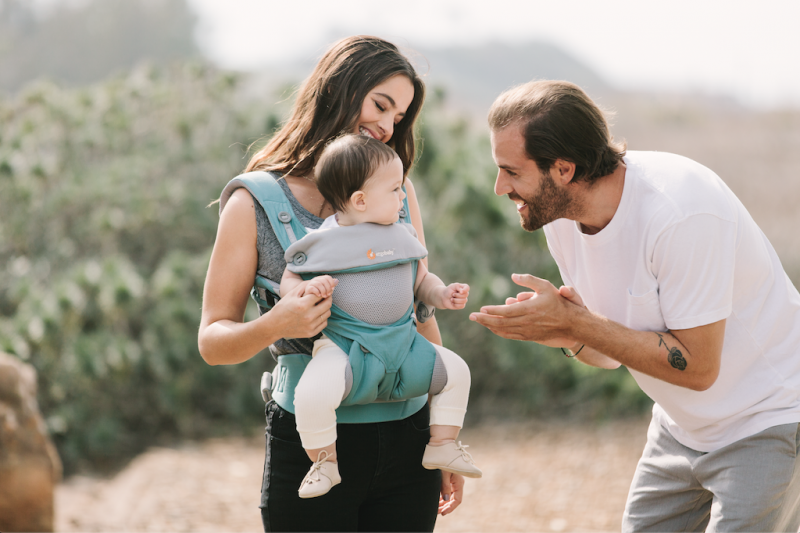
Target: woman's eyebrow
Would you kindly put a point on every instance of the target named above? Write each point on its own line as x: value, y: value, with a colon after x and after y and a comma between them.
x: 391, y: 100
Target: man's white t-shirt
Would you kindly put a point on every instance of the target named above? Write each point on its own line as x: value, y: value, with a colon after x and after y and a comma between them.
x: 680, y: 252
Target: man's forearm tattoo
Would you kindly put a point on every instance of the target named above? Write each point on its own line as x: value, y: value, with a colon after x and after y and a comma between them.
x: 674, y: 355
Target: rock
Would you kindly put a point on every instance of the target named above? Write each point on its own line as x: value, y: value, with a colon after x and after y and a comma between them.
x: 29, y: 464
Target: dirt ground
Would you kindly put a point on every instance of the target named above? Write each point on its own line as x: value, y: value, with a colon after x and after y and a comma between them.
x: 537, y: 477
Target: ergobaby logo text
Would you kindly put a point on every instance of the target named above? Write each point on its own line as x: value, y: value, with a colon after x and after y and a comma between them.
x: 372, y: 255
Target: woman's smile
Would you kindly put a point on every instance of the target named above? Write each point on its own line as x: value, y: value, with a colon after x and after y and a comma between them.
x: 367, y: 133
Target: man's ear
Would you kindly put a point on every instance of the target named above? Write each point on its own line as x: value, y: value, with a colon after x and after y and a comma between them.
x: 358, y: 201
x: 563, y: 171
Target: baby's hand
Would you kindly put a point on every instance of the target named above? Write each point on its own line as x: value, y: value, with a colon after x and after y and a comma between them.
x: 455, y: 296
x: 321, y: 286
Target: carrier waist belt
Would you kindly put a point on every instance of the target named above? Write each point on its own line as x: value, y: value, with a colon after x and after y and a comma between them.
x: 286, y: 375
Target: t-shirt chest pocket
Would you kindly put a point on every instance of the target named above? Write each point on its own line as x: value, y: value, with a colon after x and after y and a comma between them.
x: 643, y: 312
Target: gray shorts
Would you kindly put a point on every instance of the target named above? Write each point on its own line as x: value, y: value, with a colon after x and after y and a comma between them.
x: 750, y: 485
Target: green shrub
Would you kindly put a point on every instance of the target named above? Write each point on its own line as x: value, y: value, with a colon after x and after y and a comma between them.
x: 106, y: 236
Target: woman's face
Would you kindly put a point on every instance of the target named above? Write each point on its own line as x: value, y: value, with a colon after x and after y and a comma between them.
x: 385, y: 106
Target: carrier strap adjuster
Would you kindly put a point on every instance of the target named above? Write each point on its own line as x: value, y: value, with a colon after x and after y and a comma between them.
x: 266, y: 296
x: 266, y: 386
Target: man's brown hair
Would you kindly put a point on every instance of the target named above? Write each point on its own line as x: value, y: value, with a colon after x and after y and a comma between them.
x: 559, y: 121
x: 346, y: 164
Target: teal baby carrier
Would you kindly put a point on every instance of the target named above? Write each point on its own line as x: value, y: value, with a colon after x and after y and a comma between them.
x: 391, y: 366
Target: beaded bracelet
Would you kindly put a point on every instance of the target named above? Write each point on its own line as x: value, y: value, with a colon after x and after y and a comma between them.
x: 576, y: 353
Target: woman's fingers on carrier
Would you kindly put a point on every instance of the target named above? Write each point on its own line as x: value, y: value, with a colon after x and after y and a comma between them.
x: 313, y: 289
x: 325, y: 284
x: 320, y: 322
x: 307, y: 314
x: 323, y: 319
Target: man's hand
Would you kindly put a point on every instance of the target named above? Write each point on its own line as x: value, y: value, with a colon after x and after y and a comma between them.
x: 542, y: 316
x: 454, y: 296
x: 452, y: 492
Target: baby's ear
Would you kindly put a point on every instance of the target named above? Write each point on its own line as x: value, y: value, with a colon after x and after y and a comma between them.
x: 358, y: 201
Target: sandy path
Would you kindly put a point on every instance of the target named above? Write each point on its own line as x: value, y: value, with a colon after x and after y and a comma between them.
x: 538, y: 477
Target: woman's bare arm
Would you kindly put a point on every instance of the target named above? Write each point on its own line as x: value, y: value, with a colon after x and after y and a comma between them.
x: 224, y: 337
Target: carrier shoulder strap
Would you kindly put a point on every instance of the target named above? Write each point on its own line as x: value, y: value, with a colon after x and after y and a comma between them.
x: 265, y: 188
x: 267, y: 191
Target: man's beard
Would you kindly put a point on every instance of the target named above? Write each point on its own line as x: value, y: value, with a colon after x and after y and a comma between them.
x: 549, y: 204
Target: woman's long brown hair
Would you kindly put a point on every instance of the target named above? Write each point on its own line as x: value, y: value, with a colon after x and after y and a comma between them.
x: 329, y: 103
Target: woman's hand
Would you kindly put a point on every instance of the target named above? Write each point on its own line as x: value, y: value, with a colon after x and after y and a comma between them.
x: 224, y: 337
x: 452, y: 492
x: 321, y: 286
x: 300, y: 314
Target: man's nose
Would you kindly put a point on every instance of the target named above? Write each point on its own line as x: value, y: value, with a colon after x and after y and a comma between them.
x: 501, y: 185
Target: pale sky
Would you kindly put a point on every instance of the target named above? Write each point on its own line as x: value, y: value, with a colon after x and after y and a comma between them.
x: 746, y: 49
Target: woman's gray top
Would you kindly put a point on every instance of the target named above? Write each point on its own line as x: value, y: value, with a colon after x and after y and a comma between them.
x: 271, y: 263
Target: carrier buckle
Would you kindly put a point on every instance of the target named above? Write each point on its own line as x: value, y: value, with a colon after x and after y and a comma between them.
x: 266, y: 386
x: 267, y: 297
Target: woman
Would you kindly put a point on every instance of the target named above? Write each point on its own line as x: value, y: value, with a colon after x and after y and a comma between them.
x: 361, y: 85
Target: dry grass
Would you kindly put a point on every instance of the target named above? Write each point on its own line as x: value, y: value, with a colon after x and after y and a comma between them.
x: 538, y: 477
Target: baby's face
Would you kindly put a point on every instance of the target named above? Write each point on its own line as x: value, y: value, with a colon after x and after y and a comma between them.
x: 383, y: 193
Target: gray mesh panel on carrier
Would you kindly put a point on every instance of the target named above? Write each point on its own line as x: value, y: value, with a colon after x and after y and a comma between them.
x: 379, y: 297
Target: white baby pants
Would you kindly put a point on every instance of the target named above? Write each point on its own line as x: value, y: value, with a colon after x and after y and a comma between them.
x: 322, y: 385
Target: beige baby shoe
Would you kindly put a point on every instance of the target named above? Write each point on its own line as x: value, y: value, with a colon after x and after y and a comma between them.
x: 450, y: 457
x: 319, y: 480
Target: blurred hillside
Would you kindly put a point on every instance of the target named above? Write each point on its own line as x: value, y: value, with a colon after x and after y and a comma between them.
x: 475, y: 76
x: 472, y: 77
x: 79, y: 43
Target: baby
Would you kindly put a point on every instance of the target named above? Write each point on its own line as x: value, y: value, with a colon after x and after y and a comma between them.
x: 362, y: 178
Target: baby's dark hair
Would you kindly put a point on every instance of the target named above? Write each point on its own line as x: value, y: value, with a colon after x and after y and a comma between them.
x: 346, y: 164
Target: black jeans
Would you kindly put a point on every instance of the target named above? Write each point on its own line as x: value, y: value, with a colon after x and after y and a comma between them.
x: 384, y: 486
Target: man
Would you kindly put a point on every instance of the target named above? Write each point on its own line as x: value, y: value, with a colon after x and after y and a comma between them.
x: 666, y: 273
